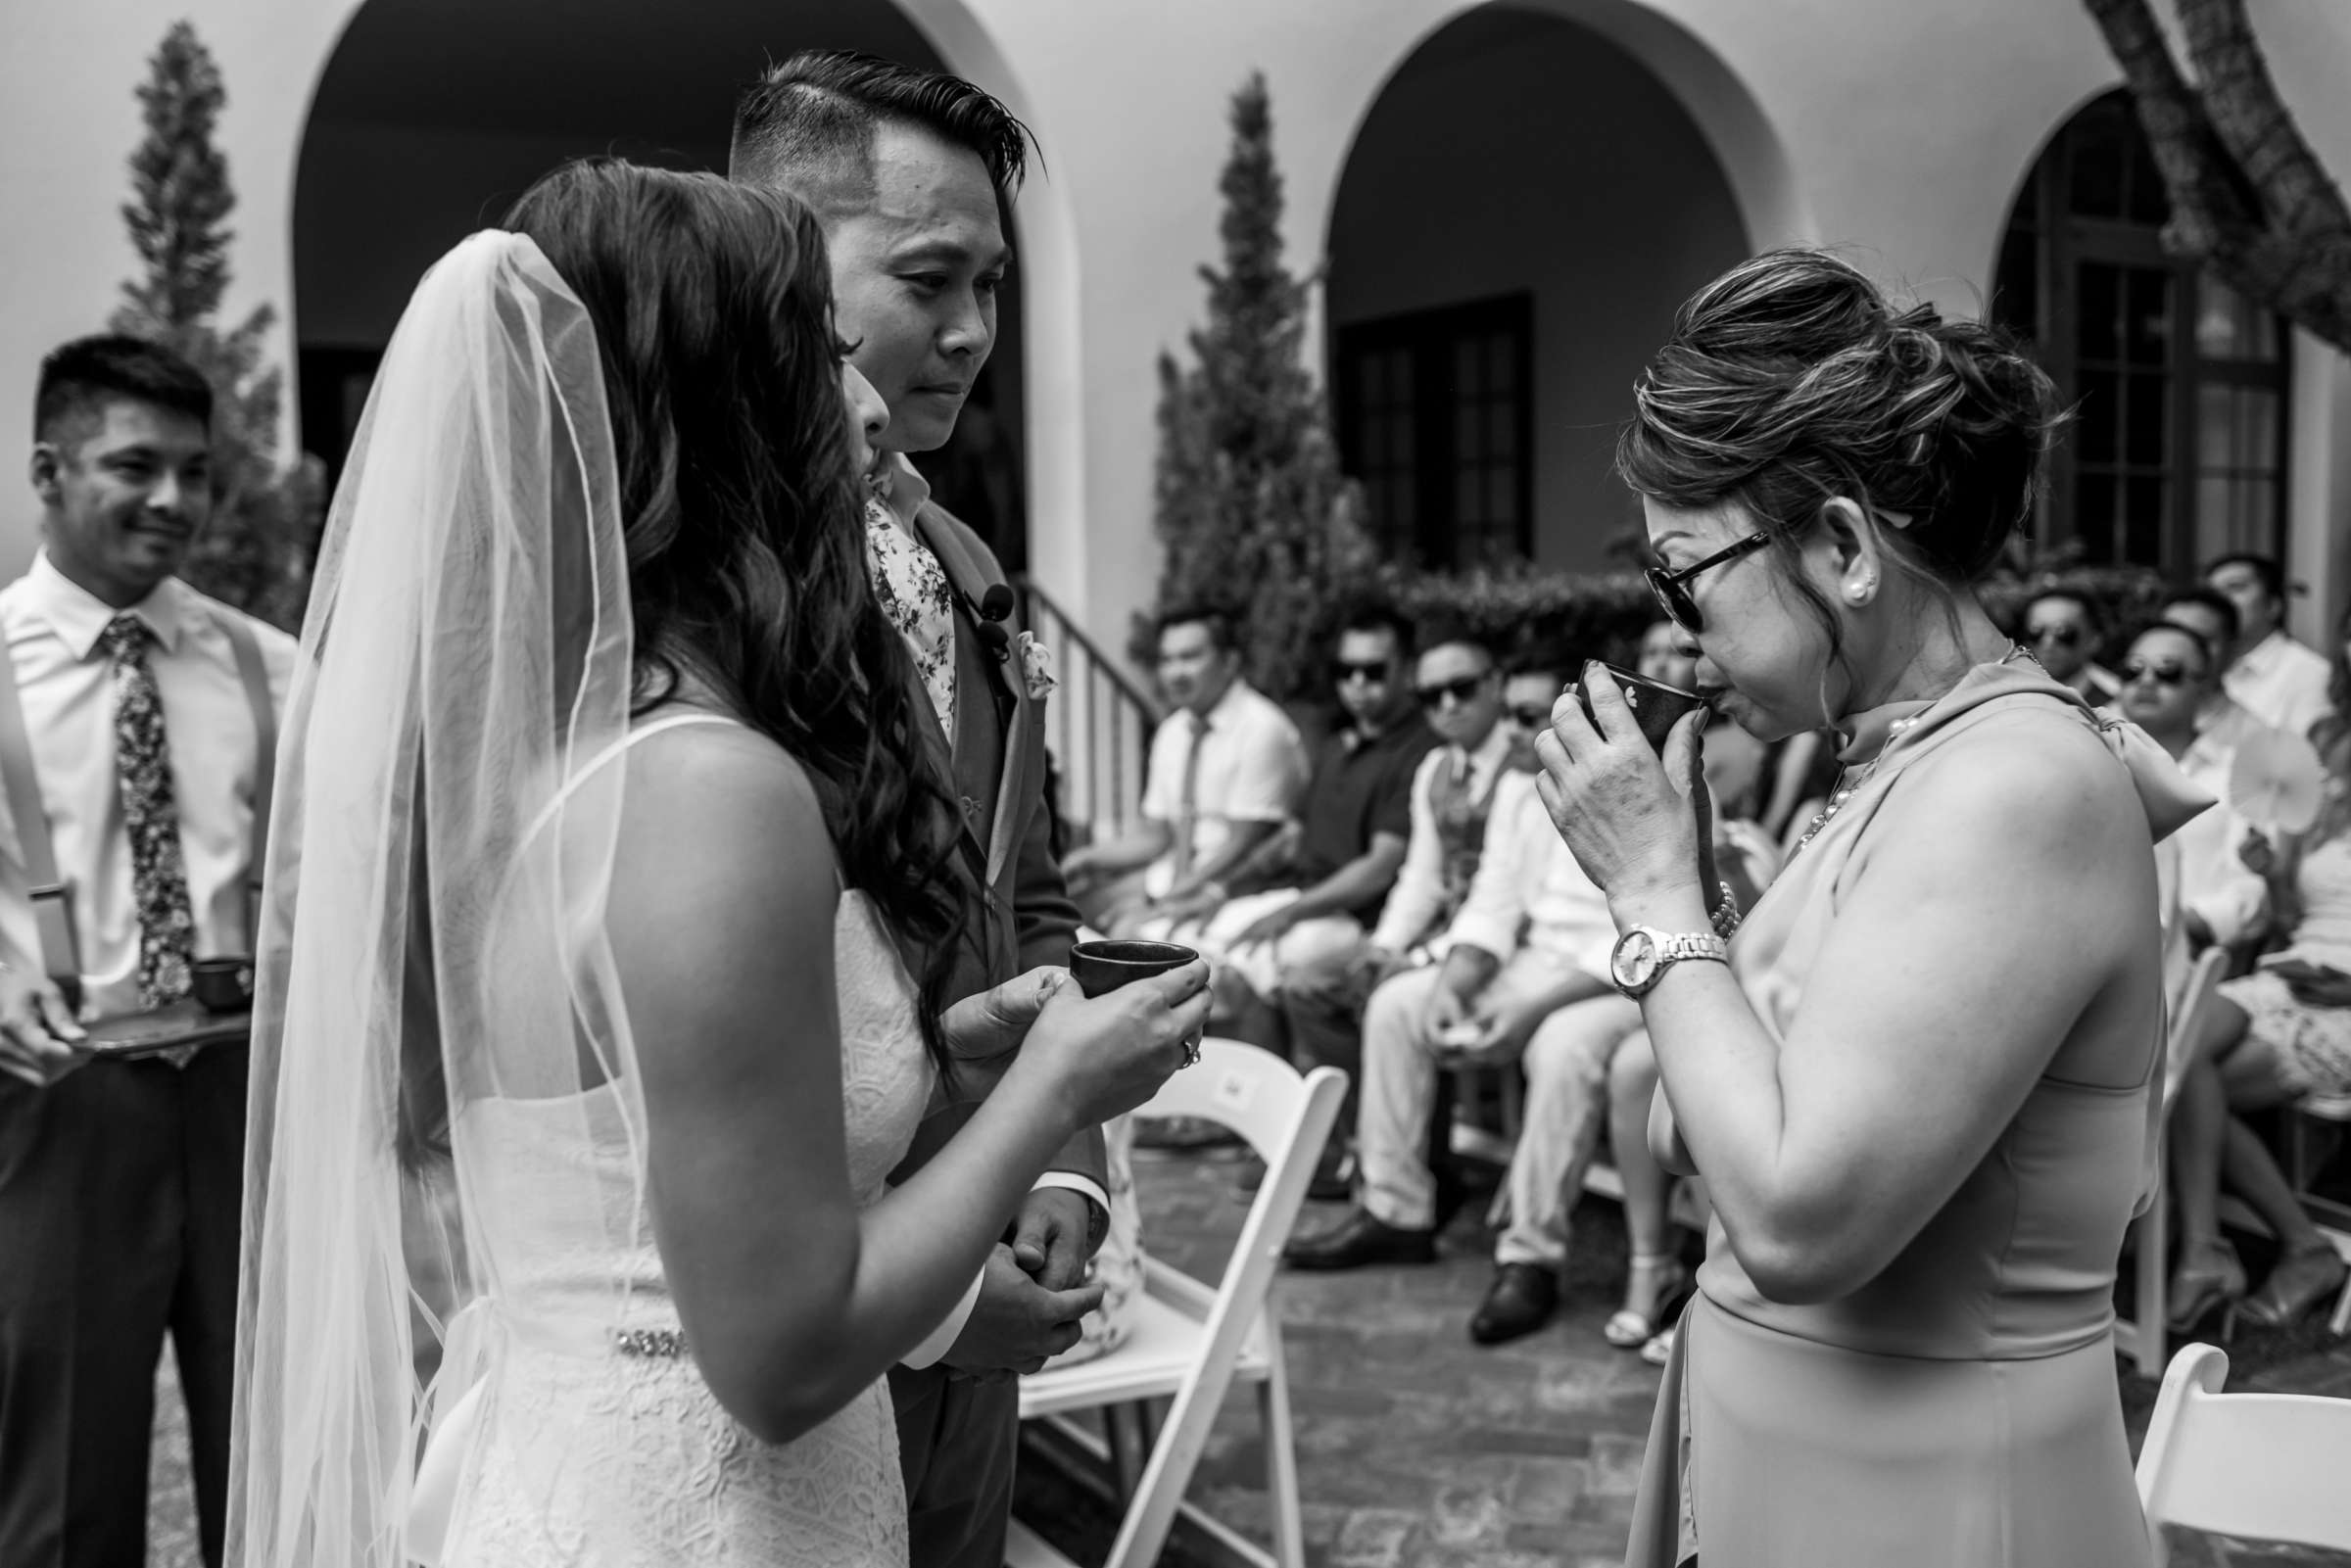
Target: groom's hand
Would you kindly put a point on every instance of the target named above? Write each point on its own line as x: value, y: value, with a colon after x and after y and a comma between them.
x: 1049, y: 1239
x: 1016, y: 1325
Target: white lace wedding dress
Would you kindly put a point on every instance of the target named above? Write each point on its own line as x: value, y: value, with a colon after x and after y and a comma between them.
x: 607, y: 1449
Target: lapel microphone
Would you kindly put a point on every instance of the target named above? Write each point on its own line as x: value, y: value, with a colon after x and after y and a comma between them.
x: 989, y: 615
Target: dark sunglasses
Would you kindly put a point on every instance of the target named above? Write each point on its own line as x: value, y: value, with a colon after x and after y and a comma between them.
x: 2064, y: 635
x: 1531, y: 717
x: 1432, y: 697
x: 1343, y: 671
x: 1672, y: 588
x: 2168, y: 671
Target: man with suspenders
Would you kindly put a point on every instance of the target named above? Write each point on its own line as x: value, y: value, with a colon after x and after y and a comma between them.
x: 137, y: 734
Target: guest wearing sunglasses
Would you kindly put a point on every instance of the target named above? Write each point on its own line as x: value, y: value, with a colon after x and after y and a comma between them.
x: 2275, y: 1036
x: 1301, y: 905
x: 1464, y: 696
x: 2060, y: 629
x: 2169, y: 678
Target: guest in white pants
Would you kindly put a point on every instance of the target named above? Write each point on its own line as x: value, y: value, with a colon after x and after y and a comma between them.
x: 1524, y: 978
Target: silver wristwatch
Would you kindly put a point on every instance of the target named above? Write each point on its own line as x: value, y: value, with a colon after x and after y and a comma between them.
x: 1644, y: 954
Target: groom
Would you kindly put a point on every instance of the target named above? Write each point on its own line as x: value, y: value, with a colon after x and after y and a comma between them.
x: 910, y: 172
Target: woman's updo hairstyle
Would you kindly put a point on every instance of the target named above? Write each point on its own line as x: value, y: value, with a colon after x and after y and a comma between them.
x: 1791, y: 379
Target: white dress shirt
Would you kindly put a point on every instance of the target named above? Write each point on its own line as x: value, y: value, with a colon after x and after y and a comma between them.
x: 2284, y: 682
x: 2213, y: 883
x: 1529, y: 890
x: 1252, y: 769
x: 1419, y: 895
x: 66, y: 683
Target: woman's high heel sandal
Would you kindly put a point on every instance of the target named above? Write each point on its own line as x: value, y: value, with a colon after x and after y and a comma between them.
x: 2300, y: 1281
x: 2215, y: 1278
x: 1668, y: 1282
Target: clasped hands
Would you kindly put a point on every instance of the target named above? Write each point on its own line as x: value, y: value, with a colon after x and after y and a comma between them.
x: 1032, y: 1291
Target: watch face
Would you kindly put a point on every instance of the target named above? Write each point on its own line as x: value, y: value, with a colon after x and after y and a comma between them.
x: 1635, y: 961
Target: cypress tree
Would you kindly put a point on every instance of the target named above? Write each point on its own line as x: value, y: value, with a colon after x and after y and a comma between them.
x: 1251, y: 510
x: 256, y: 552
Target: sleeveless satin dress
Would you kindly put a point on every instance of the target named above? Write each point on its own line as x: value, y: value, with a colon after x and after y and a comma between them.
x: 1961, y: 1409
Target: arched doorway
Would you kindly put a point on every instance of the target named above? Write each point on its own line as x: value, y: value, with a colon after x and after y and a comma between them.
x: 433, y: 114
x: 2178, y: 384
x: 1525, y: 206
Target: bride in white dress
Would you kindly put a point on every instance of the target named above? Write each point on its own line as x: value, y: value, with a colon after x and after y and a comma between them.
x: 604, y: 892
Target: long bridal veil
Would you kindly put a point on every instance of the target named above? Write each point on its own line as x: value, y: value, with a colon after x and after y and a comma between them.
x: 432, y: 931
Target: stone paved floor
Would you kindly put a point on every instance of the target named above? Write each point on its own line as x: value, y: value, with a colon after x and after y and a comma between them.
x: 1415, y: 1447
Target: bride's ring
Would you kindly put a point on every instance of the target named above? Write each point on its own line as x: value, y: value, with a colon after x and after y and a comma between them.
x: 1191, y: 1054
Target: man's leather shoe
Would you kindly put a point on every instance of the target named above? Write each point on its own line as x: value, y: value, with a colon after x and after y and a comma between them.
x: 1361, y: 1239
x: 1518, y: 1302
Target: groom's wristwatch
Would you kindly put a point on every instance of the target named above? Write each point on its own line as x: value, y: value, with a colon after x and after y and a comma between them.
x: 1644, y: 954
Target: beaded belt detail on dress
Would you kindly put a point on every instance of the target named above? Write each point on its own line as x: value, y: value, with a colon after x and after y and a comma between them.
x: 667, y: 1341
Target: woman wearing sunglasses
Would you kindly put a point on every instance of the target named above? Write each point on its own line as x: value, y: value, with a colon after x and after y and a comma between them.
x: 2271, y: 1037
x: 1919, y: 1089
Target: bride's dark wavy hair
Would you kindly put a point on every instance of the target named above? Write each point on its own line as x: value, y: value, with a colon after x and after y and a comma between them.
x: 742, y: 522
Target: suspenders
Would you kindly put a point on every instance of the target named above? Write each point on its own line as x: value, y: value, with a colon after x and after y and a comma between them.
x: 19, y: 782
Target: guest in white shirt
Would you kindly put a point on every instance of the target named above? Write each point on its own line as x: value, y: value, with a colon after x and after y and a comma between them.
x: 2168, y: 676
x: 1524, y: 978
x: 2281, y: 682
x: 1225, y: 771
x: 120, y: 1184
x: 2212, y: 616
x: 1467, y: 699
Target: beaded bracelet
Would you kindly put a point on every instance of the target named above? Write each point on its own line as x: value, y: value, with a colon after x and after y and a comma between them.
x: 1725, y: 918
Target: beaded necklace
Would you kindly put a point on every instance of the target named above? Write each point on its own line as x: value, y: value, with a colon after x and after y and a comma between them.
x: 1845, y: 791
x: 1848, y: 780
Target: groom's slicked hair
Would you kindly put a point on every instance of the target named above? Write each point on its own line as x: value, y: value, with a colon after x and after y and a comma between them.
x: 807, y: 125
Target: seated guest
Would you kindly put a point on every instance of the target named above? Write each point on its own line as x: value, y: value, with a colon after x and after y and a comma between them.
x: 2281, y: 682
x: 1524, y: 978
x: 1223, y: 775
x: 2271, y: 1037
x: 2212, y: 616
x: 2169, y: 679
x: 2061, y: 629
x: 1467, y: 701
x: 1302, y: 916
x: 1486, y: 724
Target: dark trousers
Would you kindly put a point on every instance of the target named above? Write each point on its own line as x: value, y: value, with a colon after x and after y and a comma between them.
x: 121, y: 1197
x: 957, y: 1438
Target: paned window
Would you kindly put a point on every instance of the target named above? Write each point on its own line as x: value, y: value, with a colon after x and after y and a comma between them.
x: 2178, y: 384
x: 1435, y: 409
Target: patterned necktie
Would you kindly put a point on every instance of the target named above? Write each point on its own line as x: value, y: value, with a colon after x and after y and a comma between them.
x: 143, y: 773
x: 1187, y: 800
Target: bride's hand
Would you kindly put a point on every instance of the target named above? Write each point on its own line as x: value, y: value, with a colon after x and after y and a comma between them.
x: 1108, y: 1054
x: 1628, y: 815
x: 982, y: 1028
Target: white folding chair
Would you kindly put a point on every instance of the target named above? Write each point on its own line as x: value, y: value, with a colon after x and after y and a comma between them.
x: 2267, y: 1466
x: 1189, y: 1342
x: 2143, y: 1338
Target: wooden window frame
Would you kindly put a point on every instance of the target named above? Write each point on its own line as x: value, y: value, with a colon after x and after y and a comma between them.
x: 1428, y: 338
